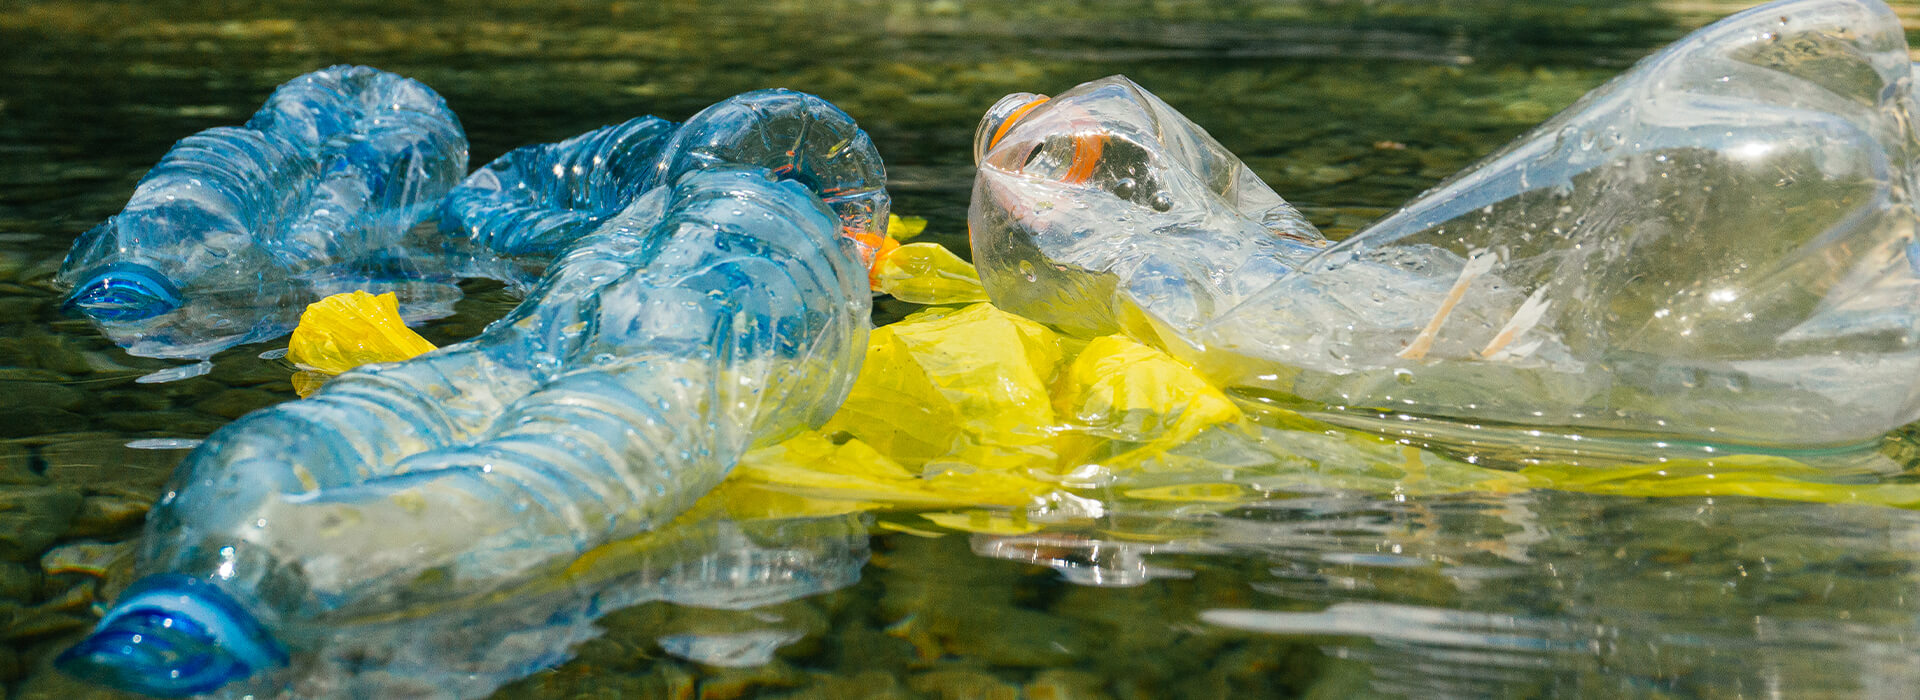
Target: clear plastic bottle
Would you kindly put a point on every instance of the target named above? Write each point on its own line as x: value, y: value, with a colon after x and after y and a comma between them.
x: 798, y: 137
x: 237, y: 229
x: 1715, y: 248
x: 535, y: 201
x: 1103, y: 207
x: 719, y: 313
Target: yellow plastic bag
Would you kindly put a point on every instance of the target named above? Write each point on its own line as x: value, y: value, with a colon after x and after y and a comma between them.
x: 344, y: 331
x: 1118, y: 390
x: 926, y: 273
x: 905, y: 228
x: 968, y: 387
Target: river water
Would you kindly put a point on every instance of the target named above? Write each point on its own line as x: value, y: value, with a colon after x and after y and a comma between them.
x: 1346, y: 108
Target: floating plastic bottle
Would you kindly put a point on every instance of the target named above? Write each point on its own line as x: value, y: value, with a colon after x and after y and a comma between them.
x: 237, y: 229
x: 1104, y: 201
x: 536, y: 200
x: 719, y: 313
x: 1716, y: 248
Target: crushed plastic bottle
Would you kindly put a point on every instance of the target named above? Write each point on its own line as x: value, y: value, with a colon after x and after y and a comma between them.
x: 719, y: 313
x: 1104, y: 201
x: 1715, y: 248
x: 536, y: 200
x: 237, y: 229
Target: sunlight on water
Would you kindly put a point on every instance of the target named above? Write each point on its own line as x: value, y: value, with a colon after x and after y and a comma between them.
x: 1342, y: 583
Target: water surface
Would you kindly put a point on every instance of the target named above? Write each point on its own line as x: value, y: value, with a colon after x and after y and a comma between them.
x: 1346, y: 108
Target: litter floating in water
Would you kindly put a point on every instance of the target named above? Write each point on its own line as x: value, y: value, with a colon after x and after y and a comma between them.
x: 535, y: 201
x: 347, y: 330
x: 1709, y: 250
x: 237, y: 229
x: 1103, y: 201
x: 710, y: 316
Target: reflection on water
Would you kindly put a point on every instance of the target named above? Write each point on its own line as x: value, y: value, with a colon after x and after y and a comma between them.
x: 1336, y: 583
x: 1555, y: 592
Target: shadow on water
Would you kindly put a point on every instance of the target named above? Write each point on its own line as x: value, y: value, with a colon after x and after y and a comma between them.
x: 1346, y: 107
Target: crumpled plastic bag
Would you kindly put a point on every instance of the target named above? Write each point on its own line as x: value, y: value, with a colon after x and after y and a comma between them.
x: 347, y: 330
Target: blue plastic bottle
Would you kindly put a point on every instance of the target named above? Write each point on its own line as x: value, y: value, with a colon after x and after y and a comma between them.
x: 237, y: 229
x: 711, y: 316
x: 536, y: 200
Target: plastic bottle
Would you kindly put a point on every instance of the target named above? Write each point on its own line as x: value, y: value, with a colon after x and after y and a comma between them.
x: 1103, y: 201
x: 536, y: 200
x: 237, y: 229
x: 720, y: 313
x: 1713, y: 249
x: 798, y: 137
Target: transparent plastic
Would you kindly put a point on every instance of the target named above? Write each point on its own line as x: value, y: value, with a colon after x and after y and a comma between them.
x: 1716, y: 248
x: 1104, y: 201
x: 535, y: 201
x: 723, y: 312
x: 707, y: 559
x: 237, y: 229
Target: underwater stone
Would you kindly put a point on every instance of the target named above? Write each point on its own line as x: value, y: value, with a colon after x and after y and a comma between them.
x: 878, y: 685
x: 27, y: 421
x: 27, y: 395
x: 109, y: 515
x: 234, y: 403
x: 963, y: 684
x: 32, y: 517
x: 20, y: 466
x: 101, y: 463
x: 1065, y: 684
x: 18, y: 581
x: 173, y: 422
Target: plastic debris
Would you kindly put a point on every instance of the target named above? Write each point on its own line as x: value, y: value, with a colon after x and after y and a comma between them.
x: 237, y: 229
x: 535, y: 201
x: 723, y: 312
x: 1103, y: 203
x: 347, y: 330
x: 926, y: 273
x: 1711, y: 250
x: 1132, y: 426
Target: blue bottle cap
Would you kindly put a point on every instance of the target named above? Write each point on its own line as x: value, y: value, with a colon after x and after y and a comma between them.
x: 123, y: 292
x: 173, y: 636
